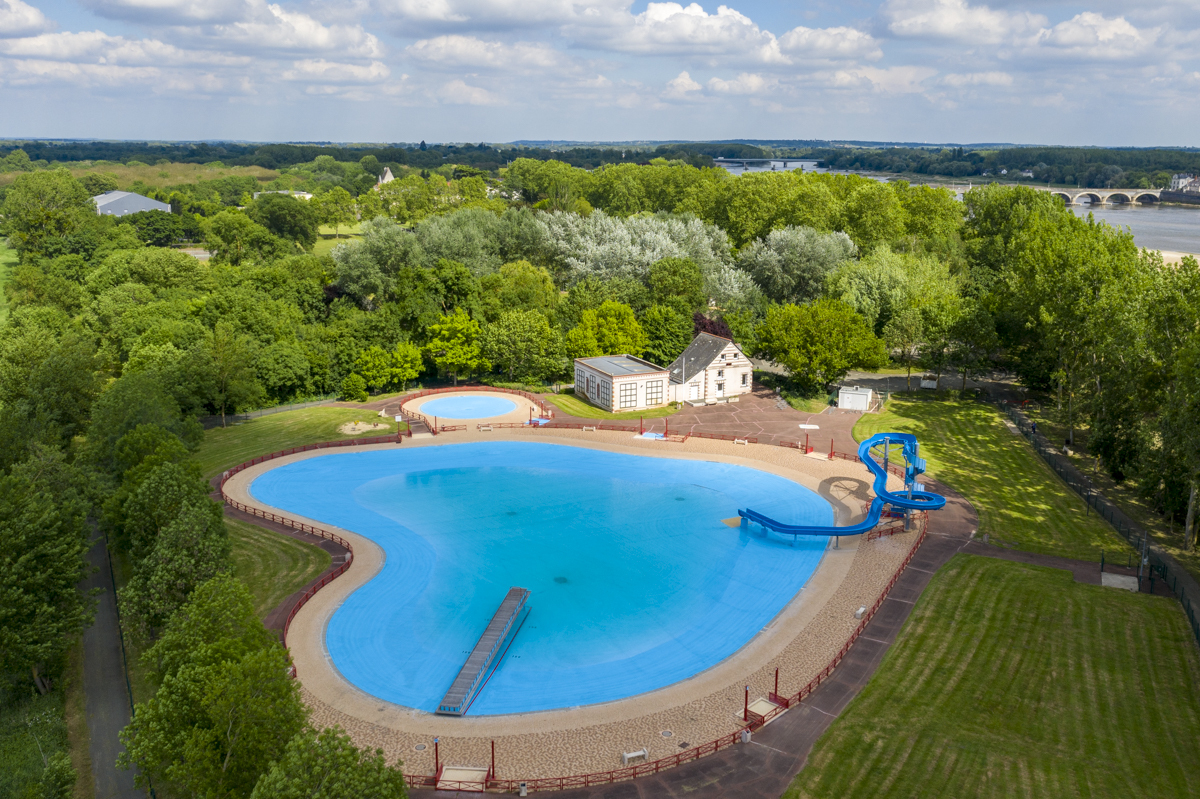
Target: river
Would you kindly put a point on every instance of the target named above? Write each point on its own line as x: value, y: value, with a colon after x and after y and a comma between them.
x: 1170, y: 228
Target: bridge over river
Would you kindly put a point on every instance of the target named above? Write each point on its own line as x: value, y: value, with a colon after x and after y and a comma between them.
x: 1107, y: 196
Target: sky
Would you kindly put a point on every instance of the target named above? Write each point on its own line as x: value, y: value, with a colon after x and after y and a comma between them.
x: 1106, y: 72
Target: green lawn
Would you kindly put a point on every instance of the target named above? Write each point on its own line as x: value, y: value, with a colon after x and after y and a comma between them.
x: 1021, y: 502
x: 271, y: 565
x: 8, y: 259
x: 569, y: 403
x: 229, y: 446
x: 1014, y: 680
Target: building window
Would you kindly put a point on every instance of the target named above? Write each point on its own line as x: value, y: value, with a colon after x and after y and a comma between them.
x: 654, y: 392
x: 605, y: 394
x: 720, y: 373
x: 591, y: 386
x: 579, y: 379
x: 745, y: 378
x: 629, y: 395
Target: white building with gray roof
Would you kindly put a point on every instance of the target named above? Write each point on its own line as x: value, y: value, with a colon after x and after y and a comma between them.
x: 712, y: 369
x: 120, y: 203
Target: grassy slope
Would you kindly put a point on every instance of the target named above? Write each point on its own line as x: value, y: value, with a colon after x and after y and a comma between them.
x: 31, y: 728
x: 571, y: 404
x: 229, y: 446
x: 1126, y: 494
x: 272, y: 565
x: 8, y: 259
x: 1013, y: 680
x: 1021, y: 502
x: 163, y: 175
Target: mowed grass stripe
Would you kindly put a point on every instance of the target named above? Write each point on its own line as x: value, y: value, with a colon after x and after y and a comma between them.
x: 272, y: 565
x: 1021, y: 502
x: 1014, y: 680
x: 224, y: 447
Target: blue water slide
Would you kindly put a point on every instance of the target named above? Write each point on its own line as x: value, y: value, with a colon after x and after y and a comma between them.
x: 914, y: 497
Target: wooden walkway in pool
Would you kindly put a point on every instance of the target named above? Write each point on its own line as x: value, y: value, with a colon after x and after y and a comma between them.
x: 487, y: 653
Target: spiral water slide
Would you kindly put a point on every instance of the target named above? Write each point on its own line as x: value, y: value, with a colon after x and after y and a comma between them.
x: 914, y: 496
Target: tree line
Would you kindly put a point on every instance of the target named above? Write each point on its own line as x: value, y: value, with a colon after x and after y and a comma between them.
x: 1087, y: 167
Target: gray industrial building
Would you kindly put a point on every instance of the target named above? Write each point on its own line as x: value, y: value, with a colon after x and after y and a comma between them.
x: 120, y: 203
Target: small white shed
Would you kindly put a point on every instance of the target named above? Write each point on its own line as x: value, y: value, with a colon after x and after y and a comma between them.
x: 854, y: 398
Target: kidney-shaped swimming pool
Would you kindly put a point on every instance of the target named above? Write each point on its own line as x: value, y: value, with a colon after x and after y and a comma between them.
x: 635, y: 580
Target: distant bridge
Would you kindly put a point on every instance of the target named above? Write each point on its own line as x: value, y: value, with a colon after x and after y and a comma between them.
x: 1106, y: 196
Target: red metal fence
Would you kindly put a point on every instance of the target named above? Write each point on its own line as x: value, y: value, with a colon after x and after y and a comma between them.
x: 756, y: 721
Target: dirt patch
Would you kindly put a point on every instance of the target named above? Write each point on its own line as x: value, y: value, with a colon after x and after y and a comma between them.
x: 358, y: 428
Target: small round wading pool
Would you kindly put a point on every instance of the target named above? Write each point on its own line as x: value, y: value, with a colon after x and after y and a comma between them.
x: 636, y: 581
x: 468, y: 407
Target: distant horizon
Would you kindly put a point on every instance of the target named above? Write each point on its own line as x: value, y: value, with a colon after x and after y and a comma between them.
x: 547, y: 143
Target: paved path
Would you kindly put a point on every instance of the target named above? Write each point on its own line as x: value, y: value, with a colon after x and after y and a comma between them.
x: 104, y: 686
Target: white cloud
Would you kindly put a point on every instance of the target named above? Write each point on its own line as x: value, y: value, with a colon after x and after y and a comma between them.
x: 19, y: 19
x: 829, y: 43
x: 680, y: 86
x: 175, y: 12
x: 459, y: 52
x: 745, y: 83
x: 893, y: 80
x: 275, y: 28
x: 1093, y: 36
x: 960, y: 80
x: 955, y: 20
x: 673, y: 29
x: 458, y: 92
x: 491, y: 15
x: 97, y: 47
x: 318, y: 70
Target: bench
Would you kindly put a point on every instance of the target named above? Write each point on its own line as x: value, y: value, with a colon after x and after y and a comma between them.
x: 589, y: 428
x: 485, y: 428
x: 741, y: 441
x: 627, y: 756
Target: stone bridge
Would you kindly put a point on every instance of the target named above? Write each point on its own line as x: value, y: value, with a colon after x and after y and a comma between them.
x: 1106, y: 196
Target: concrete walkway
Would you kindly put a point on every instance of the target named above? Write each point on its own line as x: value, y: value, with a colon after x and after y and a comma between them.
x: 104, y: 686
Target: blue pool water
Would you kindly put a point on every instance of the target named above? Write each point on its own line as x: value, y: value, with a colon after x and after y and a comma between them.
x: 635, y: 580
x: 468, y: 407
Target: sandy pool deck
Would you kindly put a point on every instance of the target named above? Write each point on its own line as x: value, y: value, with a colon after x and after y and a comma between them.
x: 524, y: 411
x: 801, y: 640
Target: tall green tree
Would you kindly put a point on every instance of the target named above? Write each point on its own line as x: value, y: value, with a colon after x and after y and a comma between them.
x: 191, y: 550
x: 819, y: 343
x: 335, y: 207
x: 327, y: 765
x: 677, y: 281
x: 454, y: 345
x: 228, y: 357
x: 523, y: 345
x: 42, y: 525
x: 43, y: 207
x: 668, y: 333
x: 289, y: 218
x: 225, y: 708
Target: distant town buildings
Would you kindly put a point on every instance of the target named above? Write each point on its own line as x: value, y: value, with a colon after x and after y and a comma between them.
x: 299, y: 195
x: 120, y: 203
x: 1182, y: 182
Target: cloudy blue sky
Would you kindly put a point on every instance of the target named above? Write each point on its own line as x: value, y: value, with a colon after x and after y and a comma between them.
x: 1105, y: 72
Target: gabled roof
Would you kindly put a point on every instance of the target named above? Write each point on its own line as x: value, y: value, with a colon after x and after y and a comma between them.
x: 107, y: 197
x: 703, y: 350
